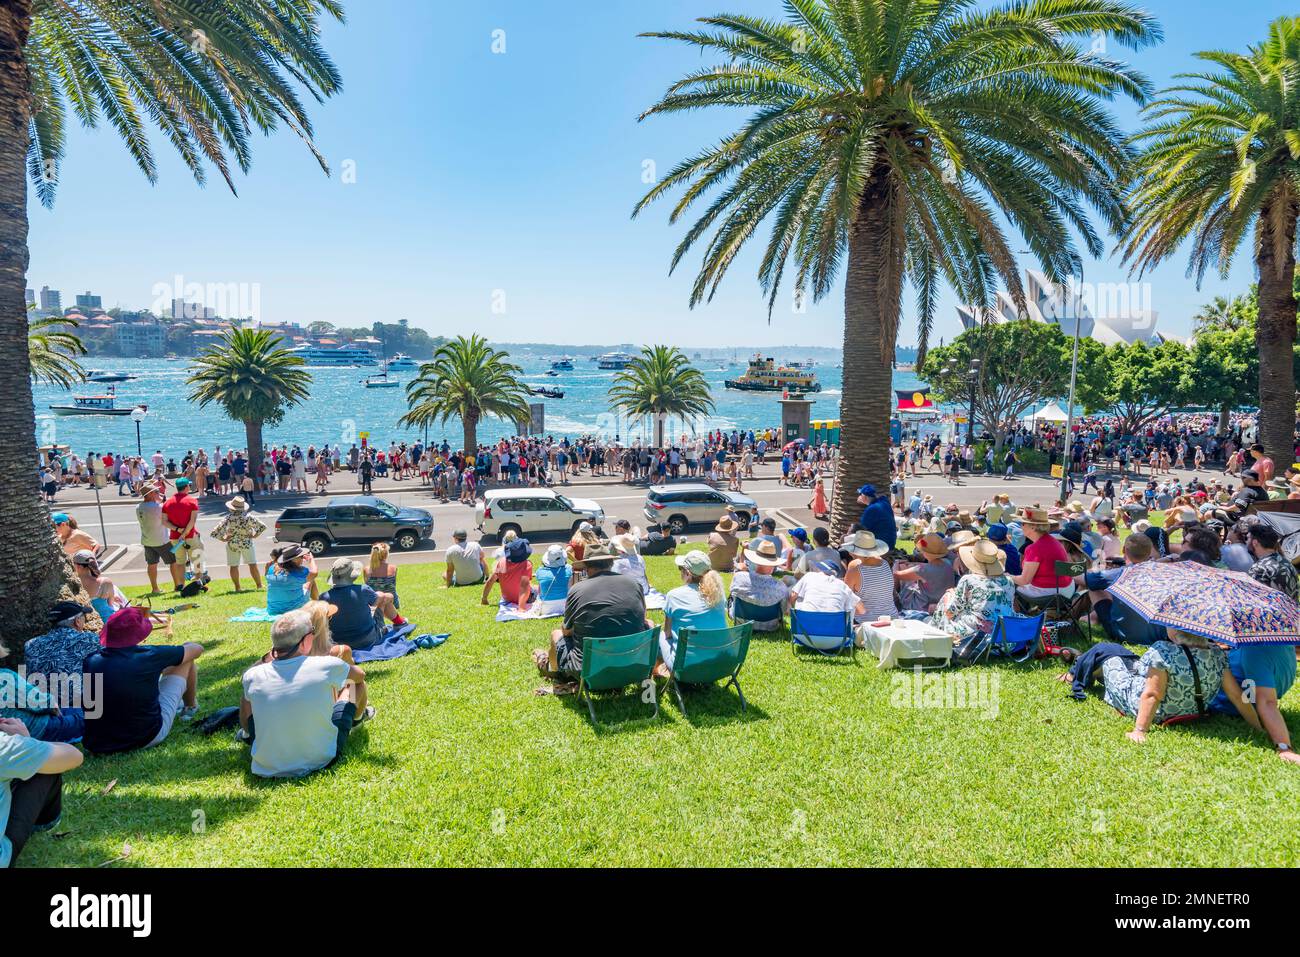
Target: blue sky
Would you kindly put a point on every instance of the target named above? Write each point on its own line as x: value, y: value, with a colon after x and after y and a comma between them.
x: 486, y: 179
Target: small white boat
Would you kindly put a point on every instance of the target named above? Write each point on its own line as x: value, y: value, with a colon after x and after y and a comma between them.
x: 381, y: 381
x: 96, y: 405
x: 400, y: 363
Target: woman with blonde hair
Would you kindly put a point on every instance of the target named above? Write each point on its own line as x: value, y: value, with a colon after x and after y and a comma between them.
x: 322, y: 643
x: 381, y: 575
x: 699, y: 603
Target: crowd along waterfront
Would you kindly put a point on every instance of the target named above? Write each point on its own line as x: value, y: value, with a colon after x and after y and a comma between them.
x: 341, y: 409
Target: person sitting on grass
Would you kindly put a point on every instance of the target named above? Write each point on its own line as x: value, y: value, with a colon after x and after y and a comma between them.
x: 71, y: 537
x: 656, y: 542
x: 822, y: 551
x: 56, y: 657
x: 602, y: 605
x: 356, y: 623
x: 514, y: 573
x: 381, y: 575
x: 299, y: 708
x: 31, y: 786
x: 465, y: 562
x: 1269, y: 671
x: 553, y: 580
x: 974, y: 604
x: 724, y: 544
x: 755, y: 583
x: 144, y: 689
x: 585, y: 537
x: 37, y: 708
x: 290, y: 576
x: 105, y: 597
x: 699, y: 603
x: 921, y: 586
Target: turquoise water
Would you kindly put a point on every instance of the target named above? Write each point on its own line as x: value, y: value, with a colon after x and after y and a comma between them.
x: 341, y: 408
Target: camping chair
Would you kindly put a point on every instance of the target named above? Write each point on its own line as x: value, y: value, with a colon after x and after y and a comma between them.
x: 834, y: 628
x: 1014, y: 636
x: 704, y: 657
x: 744, y: 611
x: 612, y: 663
x: 1056, y: 606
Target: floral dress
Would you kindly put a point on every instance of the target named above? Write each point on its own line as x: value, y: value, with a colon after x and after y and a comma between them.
x: 1125, y: 682
x: 973, y: 605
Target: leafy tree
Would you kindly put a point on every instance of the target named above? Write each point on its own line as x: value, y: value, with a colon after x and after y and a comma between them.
x: 253, y: 379
x: 662, y: 382
x: 467, y: 380
x: 52, y: 350
x: 320, y: 328
x: 206, y: 75
x: 1021, y: 363
x: 1136, y: 383
x: 1221, y: 162
x: 892, y: 139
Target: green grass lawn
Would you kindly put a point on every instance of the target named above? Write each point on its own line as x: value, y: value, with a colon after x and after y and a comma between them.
x: 465, y: 766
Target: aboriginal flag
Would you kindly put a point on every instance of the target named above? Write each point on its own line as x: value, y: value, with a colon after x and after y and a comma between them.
x: 910, y: 400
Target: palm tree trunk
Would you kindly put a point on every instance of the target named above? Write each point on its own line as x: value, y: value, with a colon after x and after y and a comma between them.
x: 35, y: 570
x: 253, y: 440
x: 470, y: 422
x: 1275, y: 334
x: 872, y: 300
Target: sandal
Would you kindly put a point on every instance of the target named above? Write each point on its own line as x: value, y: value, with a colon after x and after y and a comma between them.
x: 560, y: 689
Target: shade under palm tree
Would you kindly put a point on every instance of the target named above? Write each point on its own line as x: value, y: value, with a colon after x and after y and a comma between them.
x: 467, y: 380
x: 884, y: 138
x: 659, y: 383
x: 253, y: 379
x: 206, y: 75
x: 1220, y: 163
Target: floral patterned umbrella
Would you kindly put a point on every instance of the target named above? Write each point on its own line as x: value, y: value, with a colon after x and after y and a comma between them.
x: 1222, y: 606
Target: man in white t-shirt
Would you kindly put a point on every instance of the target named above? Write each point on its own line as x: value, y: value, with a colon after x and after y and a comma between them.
x: 298, y: 708
x: 465, y: 562
x: 155, y: 539
x: 823, y: 590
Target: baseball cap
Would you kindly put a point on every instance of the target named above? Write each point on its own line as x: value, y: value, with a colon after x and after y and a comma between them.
x: 867, y: 489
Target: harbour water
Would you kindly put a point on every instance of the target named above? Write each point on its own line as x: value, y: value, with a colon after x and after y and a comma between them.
x: 340, y: 409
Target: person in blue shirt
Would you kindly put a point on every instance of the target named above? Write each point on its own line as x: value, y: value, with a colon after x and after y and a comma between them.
x: 31, y: 786
x: 698, y: 603
x: 289, y: 577
x: 877, y: 516
x: 1000, y: 536
x: 1265, y: 673
x: 553, y: 580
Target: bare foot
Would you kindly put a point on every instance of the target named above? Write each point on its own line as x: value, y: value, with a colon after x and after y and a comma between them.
x: 1065, y: 677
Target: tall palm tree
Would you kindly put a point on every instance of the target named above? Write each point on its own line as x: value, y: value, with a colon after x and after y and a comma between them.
x: 253, y: 379
x: 662, y: 382
x: 884, y: 138
x: 1221, y: 161
x: 52, y: 350
x: 467, y: 379
x: 206, y: 75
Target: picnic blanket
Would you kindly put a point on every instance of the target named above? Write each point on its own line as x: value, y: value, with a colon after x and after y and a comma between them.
x: 654, y: 600
x: 255, y: 615
x: 394, y: 644
x: 509, y: 611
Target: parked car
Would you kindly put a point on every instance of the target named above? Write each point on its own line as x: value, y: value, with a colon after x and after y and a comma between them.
x: 679, y: 506
x: 353, y: 520
x: 528, y: 511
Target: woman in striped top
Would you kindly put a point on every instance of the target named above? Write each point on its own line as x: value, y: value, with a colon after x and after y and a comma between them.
x: 871, y: 577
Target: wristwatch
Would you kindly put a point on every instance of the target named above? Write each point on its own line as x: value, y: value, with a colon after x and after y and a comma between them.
x: 1283, y: 746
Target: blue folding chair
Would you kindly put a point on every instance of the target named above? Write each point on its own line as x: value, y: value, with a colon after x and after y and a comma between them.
x: 744, y: 611
x: 1017, y: 637
x: 825, y: 632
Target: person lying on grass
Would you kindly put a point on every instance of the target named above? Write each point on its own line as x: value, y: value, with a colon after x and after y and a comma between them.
x: 602, y: 605
x: 299, y: 708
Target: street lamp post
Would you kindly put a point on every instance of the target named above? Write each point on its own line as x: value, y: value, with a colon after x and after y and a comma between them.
x: 1074, y: 378
x: 137, y: 416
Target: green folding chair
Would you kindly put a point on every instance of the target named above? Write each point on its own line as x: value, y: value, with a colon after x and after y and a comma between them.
x: 609, y: 664
x: 704, y: 657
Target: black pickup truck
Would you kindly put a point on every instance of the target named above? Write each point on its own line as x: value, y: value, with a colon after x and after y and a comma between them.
x: 354, y: 520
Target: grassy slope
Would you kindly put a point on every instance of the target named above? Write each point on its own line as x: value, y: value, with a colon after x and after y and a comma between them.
x: 465, y: 766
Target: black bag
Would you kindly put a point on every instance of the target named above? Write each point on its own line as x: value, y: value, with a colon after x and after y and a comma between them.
x: 971, y: 649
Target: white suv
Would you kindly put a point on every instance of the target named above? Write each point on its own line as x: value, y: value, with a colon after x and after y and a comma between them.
x: 531, y: 510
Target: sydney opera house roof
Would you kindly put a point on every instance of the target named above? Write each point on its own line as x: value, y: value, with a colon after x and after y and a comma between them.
x: 1111, y: 314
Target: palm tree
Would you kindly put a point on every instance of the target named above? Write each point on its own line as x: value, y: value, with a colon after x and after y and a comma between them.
x: 885, y: 137
x: 52, y: 350
x: 662, y: 382
x: 1221, y: 161
x: 467, y: 379
x: 206, y: 75
x: 253, y: 379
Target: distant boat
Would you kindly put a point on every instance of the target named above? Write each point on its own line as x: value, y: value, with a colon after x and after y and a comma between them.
x: 548, y: 393
x: 764, y: 375
x: 336, y: 356
x: 615, y: 360
x: 381, y: 381
x: 401, y: 362
x: 95, y: 405
x: 95, y: 375
x: 562, y: 364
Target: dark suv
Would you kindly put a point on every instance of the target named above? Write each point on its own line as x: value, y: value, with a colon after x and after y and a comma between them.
x: 354, y: 520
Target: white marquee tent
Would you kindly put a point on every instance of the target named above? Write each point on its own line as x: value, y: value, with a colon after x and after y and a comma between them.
x: 1050, y: 413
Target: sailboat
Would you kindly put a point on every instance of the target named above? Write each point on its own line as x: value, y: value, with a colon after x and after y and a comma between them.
x: 381, y: 380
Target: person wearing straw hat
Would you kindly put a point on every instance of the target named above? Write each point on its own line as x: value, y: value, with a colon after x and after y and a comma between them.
x: 921, y: 586
x: 724, y: 544
x: 154, y: 538
x: 755, y: 583
x: 237, y: 530
x: 602, y: 605
x: 870, y: 577
x: 1038, y: 578
x: 985, y: 592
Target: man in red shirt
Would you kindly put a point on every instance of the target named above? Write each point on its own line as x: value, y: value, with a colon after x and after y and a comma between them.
x: 1038, y: 577
x: 181, y: 511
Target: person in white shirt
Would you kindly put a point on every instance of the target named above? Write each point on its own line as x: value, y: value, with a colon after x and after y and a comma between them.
x: 823, y: 590
x: 465, y: 562
x: 755, y: 583
x: 155, y: 539
x: 298, y: 708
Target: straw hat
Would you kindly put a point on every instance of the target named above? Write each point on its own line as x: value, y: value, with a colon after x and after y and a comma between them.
x: 726, y: 525
x: 598, y: 554
x: 962, y: 538
x: 983, y: 558
x: 1035, y: 517
x: 865, y: 545
x: 931, y: 545
x: 237, y: 505
x: 763, y: 553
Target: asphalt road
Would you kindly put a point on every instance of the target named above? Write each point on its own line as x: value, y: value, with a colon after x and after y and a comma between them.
x: 619, y: 501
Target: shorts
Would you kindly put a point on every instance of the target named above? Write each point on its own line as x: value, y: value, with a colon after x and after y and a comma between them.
x: 241, y: 556
x: 171, y: 691
x: 1037, y: 591
x: 568, y: 655
x: 153, y: 554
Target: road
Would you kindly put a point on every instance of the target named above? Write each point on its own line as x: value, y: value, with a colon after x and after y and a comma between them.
x: 619, y: 501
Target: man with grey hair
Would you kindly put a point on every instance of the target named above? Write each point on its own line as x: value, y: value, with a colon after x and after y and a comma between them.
x: 298, y: 709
